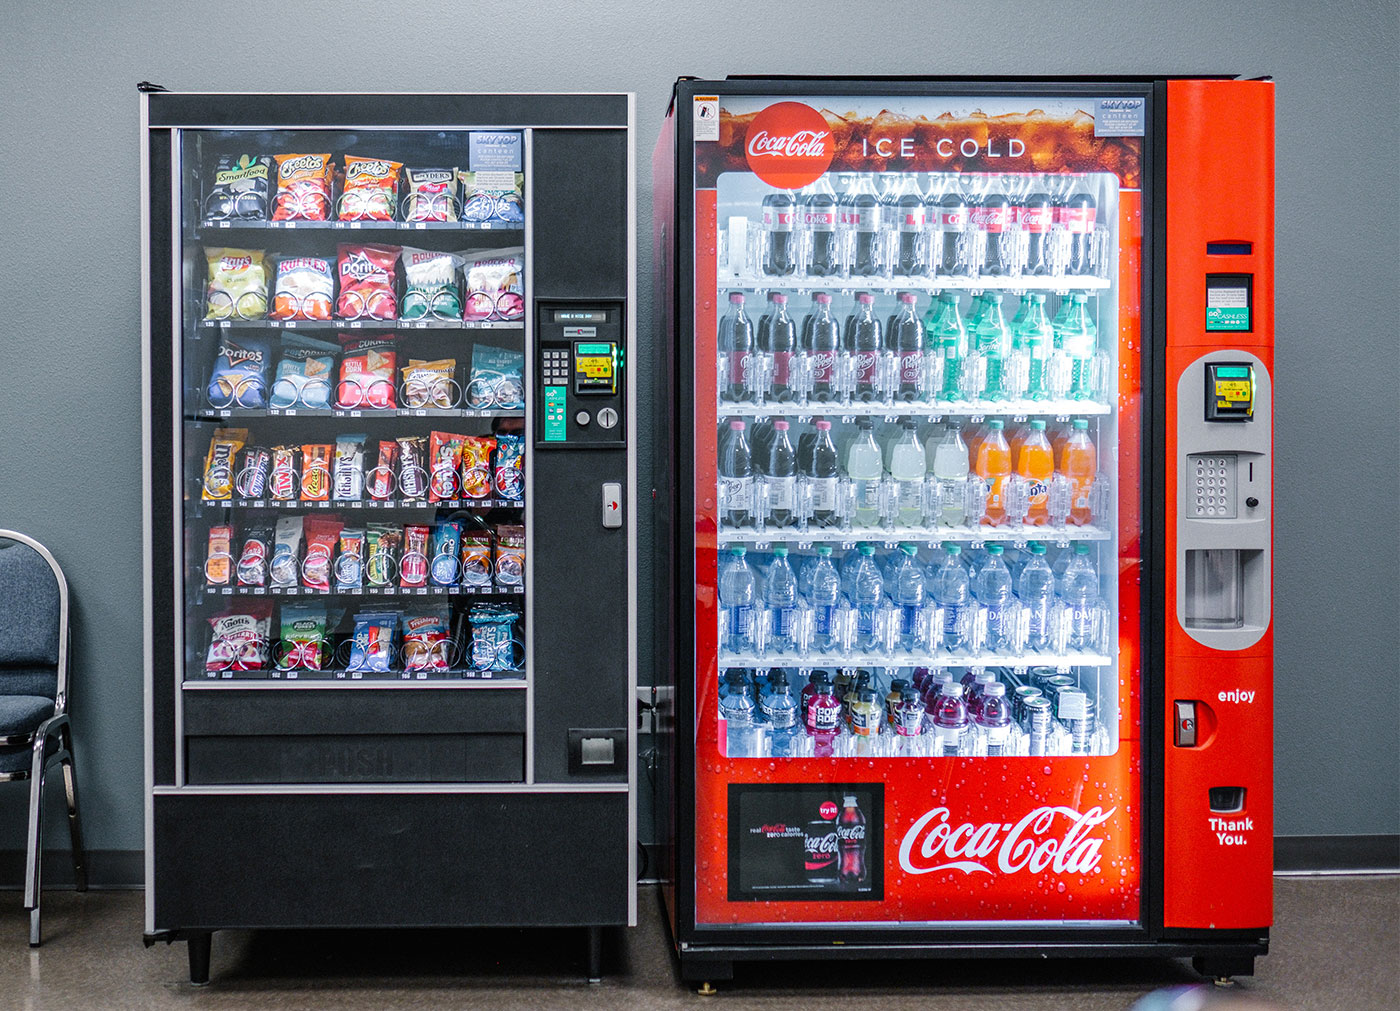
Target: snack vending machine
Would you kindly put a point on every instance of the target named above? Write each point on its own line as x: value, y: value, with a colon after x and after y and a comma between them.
x: 969, y: 518
x: 389, y: 426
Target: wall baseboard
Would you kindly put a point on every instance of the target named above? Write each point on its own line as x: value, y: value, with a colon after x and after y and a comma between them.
x: 105, y: 868
x: 1306, y: 853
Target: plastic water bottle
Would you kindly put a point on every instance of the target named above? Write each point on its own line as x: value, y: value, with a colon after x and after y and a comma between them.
x: 743, y: 732
x: 993, y: 590
x: 907, y: 584
x: 1036, y: 591
x: 780, y: 599
x: 779, y: 708
x: 908, y: 465
x: 865, y: 468
x: 825, y: 598
x: 1081, y: 597
x: 736, y: 600
x: 952, y: 592
x: 868, y: 591
x: 950, y: 467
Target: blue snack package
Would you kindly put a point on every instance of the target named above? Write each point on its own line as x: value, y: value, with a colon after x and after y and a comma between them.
x: 493, y: 648
x: 372, y: 645
x: 304, y: 373
x: 510, y: 467
x: 239, y: 378
x: 447, y: 539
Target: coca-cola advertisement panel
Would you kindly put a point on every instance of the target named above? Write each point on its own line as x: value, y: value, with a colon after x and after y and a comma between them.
x: 918, y: 460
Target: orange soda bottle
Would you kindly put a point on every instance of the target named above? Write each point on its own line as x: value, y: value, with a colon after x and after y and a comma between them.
x: 1079, y: 461
x: 1035, y: 464
x: 994, y: 467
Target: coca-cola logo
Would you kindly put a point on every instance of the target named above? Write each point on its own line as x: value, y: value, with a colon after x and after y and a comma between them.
x: 1054, y: 838
x: 828, y: 809
x: 850, y: 833
x: 789, y: 145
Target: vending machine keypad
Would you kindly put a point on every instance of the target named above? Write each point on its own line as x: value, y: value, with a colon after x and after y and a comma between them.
x: 1212, y: 494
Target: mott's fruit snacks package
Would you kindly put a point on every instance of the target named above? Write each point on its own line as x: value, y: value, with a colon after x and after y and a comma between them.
x: 371, y: 190
x: 349, y: 562
x: 304, y: 289
x: 237, y: 284
x: 425, y: 640
x: 366, y: 282
x: 372, y: 642
x: 431, y: 195
x: 240, y: 189
x: 494, y: 283
x: 303, y: 187
x: 367, y: 373
x: 510, y: 467
x: 430, y: 284
x: 240, y: 638
x: 219, y: 461
x: 304, y: 373
x: 239, y: 377
x: 303, y: 644
x: 285, y: 568
x: 476, y: 465
x: 493, y: 196
x: 218, y: 563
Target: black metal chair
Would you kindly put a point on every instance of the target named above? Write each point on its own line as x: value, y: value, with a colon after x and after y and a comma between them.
x: 35, y: 731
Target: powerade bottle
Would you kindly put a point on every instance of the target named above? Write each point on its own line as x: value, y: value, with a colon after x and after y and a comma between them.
x: 822, y: 716
x: 945, y: 335
x: 779, y: 708
x: 950, y: 721
x: 993, y: 721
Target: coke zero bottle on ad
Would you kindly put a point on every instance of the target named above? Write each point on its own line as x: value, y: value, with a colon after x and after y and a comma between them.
x: 850, y: 835
x: 736, y: 345
x: 779, y: 249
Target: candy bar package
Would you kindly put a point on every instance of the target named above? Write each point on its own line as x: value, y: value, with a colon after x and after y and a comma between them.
x: 425, y: 639
x: 218, y: 562
x: 303, y: 644
x: 447, y: 540
x: 285, y: 569
x: 413, y: 466
x: 349, y: 562
x: 444, y: 457
x: 240, y: 188
x: 496, y: 379
x: 476, y: 558
x: 494, y: 284
x: 367, y: 372
x: 493, y: 196
x: 430, y: 384
x: 431, y: 194
x: 348, y: 477
x: 510, y: 467
x: 303, y: 187
x: 371, y: 190
x: 476, y: 466
x: 224, y: 445
x: 239, y: 642
x: 381, y: 553
x: 316, y: 472
x: 492, y: 629
x: 510, y: 556
x: 284, y: 486
x: 304, y: 373
x: 430, y: 284
x: 383, y: 479
x: 366, y: 282
x: 304, y: 290
x: 251, y: 479
x: 252, y: 560
x: 372, y: 642
x: 413, y: 564
x: 239, y: 378
x: 321, y: 533
x: 237, y: 285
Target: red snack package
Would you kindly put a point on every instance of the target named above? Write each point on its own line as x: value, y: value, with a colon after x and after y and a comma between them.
x: 367, y: 373
x: 413, y: 565
x: 303, y: 187
x: 381, y: 482
x: 321, y: 533
x: 444, y: 457
x: 366, y: 282
x: 371, y: 189
x: 240, y: 639
x: 316, y: 473
x: 284, y: 473
x: 476, y: 465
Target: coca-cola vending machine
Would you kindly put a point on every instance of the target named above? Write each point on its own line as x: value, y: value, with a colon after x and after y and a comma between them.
x: 968, y: 518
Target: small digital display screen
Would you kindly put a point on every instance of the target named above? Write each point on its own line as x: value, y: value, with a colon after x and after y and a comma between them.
x: 593, y: 349
x: 1231, y: 372
x: 580, y: 315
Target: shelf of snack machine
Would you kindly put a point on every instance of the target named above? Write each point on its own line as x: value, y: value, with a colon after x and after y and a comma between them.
x: 323, y: 679
x: 362, y: 225
x: 364, y: 591
x: 227, y: 413
x: 203, y: 507
x: 893, y: 285
x: 905, y: 659
x: 890, y: 537
x: 231, y: 323
x: 890, y: 410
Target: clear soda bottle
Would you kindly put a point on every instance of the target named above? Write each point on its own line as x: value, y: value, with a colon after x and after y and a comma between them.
x: 1080, y: 340
x: 825, y: 600
x: 1036, y: 590
x: 866, y: 469
x: 945, y: 335
x: 736, y: 601
x: 780, y: 601
x: 953, y: 592
x: 1036, y: 338
x: 993, y: 342
x: 908, y: 591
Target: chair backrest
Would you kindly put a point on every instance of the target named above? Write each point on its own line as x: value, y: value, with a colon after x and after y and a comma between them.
x: 33, y: 620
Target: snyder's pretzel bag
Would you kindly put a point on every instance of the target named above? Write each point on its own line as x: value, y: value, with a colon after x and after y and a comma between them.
x: 237, y: 283
x: 431, y: 194
x: 371, y: 190
x: 303, y: 187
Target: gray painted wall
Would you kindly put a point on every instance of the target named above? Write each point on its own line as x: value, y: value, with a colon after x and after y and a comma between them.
x: 69, y: 359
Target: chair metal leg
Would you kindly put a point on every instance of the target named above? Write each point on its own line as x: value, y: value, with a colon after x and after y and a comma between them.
x: 32, y: 882
x: 75, y: 827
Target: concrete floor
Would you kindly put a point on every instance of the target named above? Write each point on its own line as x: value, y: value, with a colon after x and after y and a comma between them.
x: 1336, y: 945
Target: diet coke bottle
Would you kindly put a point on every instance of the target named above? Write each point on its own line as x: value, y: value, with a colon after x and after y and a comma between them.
x: 779, y: 246
x: 850, y: 835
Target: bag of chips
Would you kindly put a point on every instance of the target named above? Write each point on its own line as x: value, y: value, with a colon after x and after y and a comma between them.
x: 413, y: 471
x: 224, y: 445
x: 239, y: 378
x: 431, y: 195
x: 237, y: 286
x: 316, y: 472
x: 366, y: 282
x: 303, y: 377
x: 447, y: 539
x: 493, y: 196
x: 240, y: 638
x: 476, y: 559
x: 303, y: 187
x: 381, y: 553
x: 372, y: 642
x: 241, y: 186
x: 303, y: 645
x: 348, y: 477
x: 371, y: 189
x: 252, y: 561
x: 495, y: 285
x: 349, y: 563
x: 495, y: 382
x: 285, y: 485
x: 285, y: 569
x: 492, y: 646
x: 322, y: 532
x: 413, y: 564
x: 218, y: 560
x: 425, y: 640
x: 305, y: 288
x: 444, y: 457
x: 510, y: 556
x: 476, y: 465
x: 430, y: 384
x: 430, y: 284
x: 510, y: 467
x: 367, y: 373
x: 383, y: 478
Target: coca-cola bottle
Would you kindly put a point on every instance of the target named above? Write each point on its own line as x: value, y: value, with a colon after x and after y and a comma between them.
x: 819, y: 846
x: 1034, y: 214
x: 952, y: 222
x: 736, y: 345
x: 851, y: 843
x: 822, y: 473
x: 863, y: 217
x: 736, y: 478
x: 780, y: 470
x: 1078, y: 214
x: 808, y: 322
x: 991, y: 216
x: 910, y: 258
x: 822, y: 353
x: 819, y: 218
x: 865, y: 348
x: 908, y: 341
x: 779, y: 249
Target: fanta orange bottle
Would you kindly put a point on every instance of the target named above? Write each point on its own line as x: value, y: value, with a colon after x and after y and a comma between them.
x: 1035, y: 464
x: 994, y: 467
x: 1079, y: 461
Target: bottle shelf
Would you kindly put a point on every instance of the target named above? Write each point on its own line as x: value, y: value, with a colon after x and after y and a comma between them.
x: 883, y: 285
x: 890, y: 537
x: 904, y: 659
x: 848, y: 412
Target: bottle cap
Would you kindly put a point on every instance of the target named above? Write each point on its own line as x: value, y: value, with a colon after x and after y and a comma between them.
x: 866, y: 695
x: 994, y: 689
x: 1081, y: 424
x: 779, y: 298
x: 995, y: 549
x: 906, y: 296
x: 898, y: 685
x: 782, y: 426
x: 849, y: 800
x: 824, y: 550
x: 951, y: 688
x: 822, y: 298
x: 1038, y: 425
x: 1037, y: 298
x: 865, y: 298
x: 948, y: 296
x: 951, y: 548
x: 736, y: 297
x: 1081, y: 548
x: 738, y: 551
x: 735, y: 425
x: 867, y: 549
x: 992, y: 296
x: 909, y: 549
x: 780, y: 551
x: 996, y: 423
x: 823, y: 426
x: 1036, y: 548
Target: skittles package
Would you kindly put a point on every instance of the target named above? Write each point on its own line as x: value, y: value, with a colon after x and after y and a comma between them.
x: 303, y: 187
x: 366, y: 282
x: 371, y: 189
x: 431, y: 195
x: 240, y: 188
x: 444, y: 457
x: 237, y: 285
x: 304, y: 290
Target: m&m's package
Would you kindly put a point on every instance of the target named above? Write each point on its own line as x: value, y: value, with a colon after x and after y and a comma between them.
x: 303, y: 187
x: 219, y: 463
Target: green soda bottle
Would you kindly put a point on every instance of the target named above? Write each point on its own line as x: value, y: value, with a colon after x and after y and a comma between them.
x: 1080, y: 340
x: 993, y: 343
x: 945, y: 335
x: 1036, y: 338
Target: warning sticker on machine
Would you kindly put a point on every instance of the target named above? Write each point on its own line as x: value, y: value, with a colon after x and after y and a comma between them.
x: 706, y: 117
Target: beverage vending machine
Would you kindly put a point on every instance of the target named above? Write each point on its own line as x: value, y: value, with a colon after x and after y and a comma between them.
x: 968, y: 518
x: 389, y: 423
